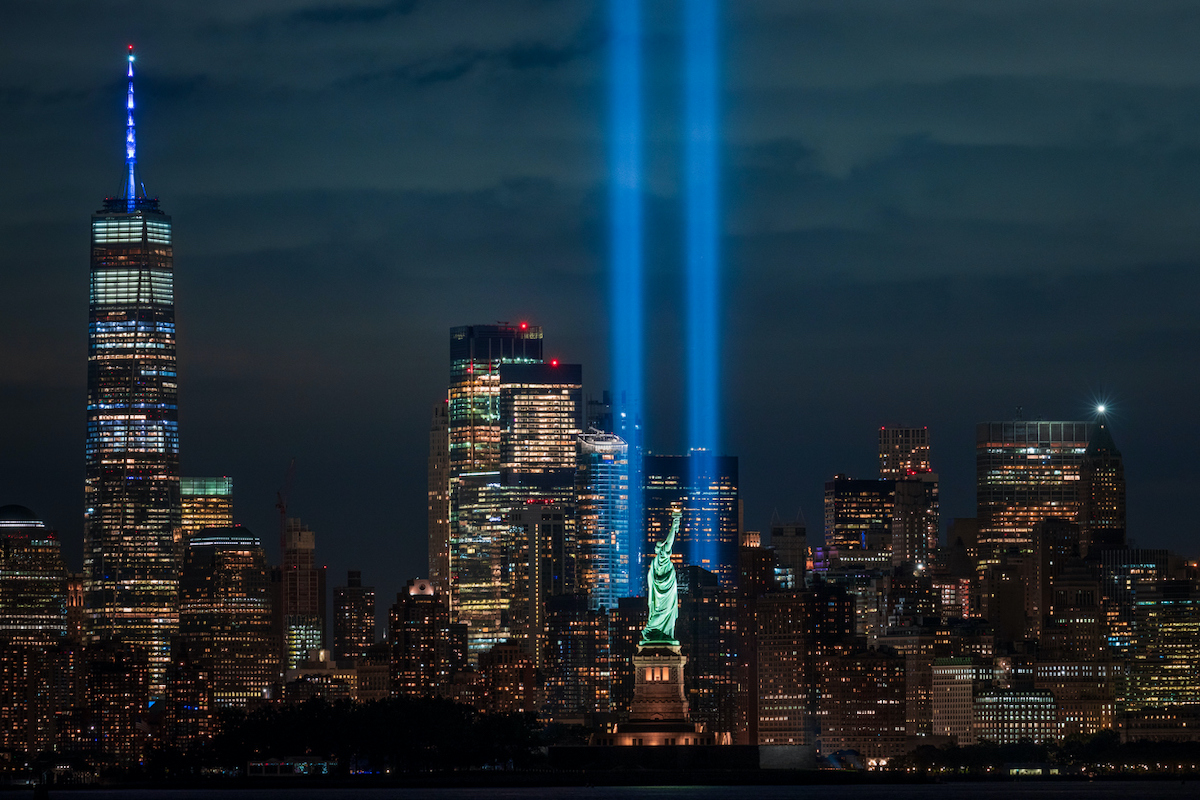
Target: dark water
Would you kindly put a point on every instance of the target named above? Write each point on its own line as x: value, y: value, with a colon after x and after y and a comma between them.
x: 1083, y: 790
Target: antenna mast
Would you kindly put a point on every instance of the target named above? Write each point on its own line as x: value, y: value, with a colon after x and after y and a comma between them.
x: 131, y: 187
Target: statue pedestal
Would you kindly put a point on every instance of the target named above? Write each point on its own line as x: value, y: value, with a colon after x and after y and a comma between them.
x: 658, y: 684
x: 659, y: 714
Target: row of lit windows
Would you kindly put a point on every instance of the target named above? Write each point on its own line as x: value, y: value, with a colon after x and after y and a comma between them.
x: 123, y: 286
x: 130, y: 229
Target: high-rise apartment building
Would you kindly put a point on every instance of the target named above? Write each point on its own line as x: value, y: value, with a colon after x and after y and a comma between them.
x: 225, y: 614
x: 576, y: 661
x: 796, y: 633
x: 1101, y: 513
x: 353, y: 618
x: 543, y: 566
x: 708, y: 531
x: 1025, y: 471
x: 602, y: 514
x: 206, y: 503
x: 131, y: 487
x: 439, y: 494
x: 426, y: 649
x: 300, y: 591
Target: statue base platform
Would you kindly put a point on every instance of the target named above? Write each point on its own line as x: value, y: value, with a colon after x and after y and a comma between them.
x: 659, y: 714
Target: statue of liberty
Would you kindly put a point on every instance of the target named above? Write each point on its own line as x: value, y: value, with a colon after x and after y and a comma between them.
x: 664, y: 596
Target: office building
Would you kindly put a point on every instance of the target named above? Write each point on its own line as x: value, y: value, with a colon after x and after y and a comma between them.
x: 903, y: 452
x: 541, y: 417
x: 858, y: 516
x: 131, y: 487
x: 481, y: 561
x: 206, y: 503
x: 225, y: 616
x: 709, y: 530
x: 1101, y: 513
x: 789, y: 540
x: 33, y: 580
x: 353, y: 618
x: 1025, y: 471
x: 1009, y: 716
x: 602, y: 512
x: 956, y: 682
x: 300, y: 596
x: 1164, y: 663
x: 476, y: 353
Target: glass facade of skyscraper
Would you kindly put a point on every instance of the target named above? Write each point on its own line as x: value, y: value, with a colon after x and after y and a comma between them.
x: 225, y: 614
x: 476, y: 353
x: 708, y: 532
x: 206, y: 503
x: 33, y: 580
x: 1025, y: 472
x: 133, y: 518
x: 602, y: 511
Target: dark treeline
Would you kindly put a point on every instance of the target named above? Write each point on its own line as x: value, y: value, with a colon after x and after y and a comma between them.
x: 400, y: 734
x: 1098, y: 754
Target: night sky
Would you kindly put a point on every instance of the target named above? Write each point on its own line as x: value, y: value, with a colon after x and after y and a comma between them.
x: 934, y: 212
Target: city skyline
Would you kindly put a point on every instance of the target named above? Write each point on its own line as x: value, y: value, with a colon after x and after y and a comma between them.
x: 820, y: 387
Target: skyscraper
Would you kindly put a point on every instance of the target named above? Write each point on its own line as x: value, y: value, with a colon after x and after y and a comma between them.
x: 479, y: 564
x: 904, y: 456
x: 131, y: 489
x: 33, y: 580
x: 353, y: 618
x: 1024, y: 472
x: 1101, y: 491
x: 903, y: 452
x: 708, y: 533
x: 300, y: 600
x: 438, y: 488
x: 225, y: 614
x: 539, y: 416
x: 602, y: 511
x: 206, y: 503
x: 858, y: 514
x: 476, y: 353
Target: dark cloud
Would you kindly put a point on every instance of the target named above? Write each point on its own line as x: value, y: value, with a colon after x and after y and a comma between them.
x: 344, y: 13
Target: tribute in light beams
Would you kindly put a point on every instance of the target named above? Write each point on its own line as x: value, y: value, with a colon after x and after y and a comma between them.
x: 625, y: 213
x: 702, y: 231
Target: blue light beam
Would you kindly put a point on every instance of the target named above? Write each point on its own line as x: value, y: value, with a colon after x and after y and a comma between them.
x: 702, y: 248
x: 625, y: 214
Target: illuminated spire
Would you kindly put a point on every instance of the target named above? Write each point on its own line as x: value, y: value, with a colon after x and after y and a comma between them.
x: 131, y: 183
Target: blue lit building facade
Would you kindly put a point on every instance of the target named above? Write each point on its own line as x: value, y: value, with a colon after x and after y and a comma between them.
x: 602, y: 509
x: 706, y: 488
x: 132, y: 498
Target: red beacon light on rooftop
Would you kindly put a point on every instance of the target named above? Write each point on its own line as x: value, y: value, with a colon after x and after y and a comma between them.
x: 524, y: 326
x: 554, y: 362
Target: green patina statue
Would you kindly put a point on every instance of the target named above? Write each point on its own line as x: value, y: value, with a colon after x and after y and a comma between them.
x: 664, y: 597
